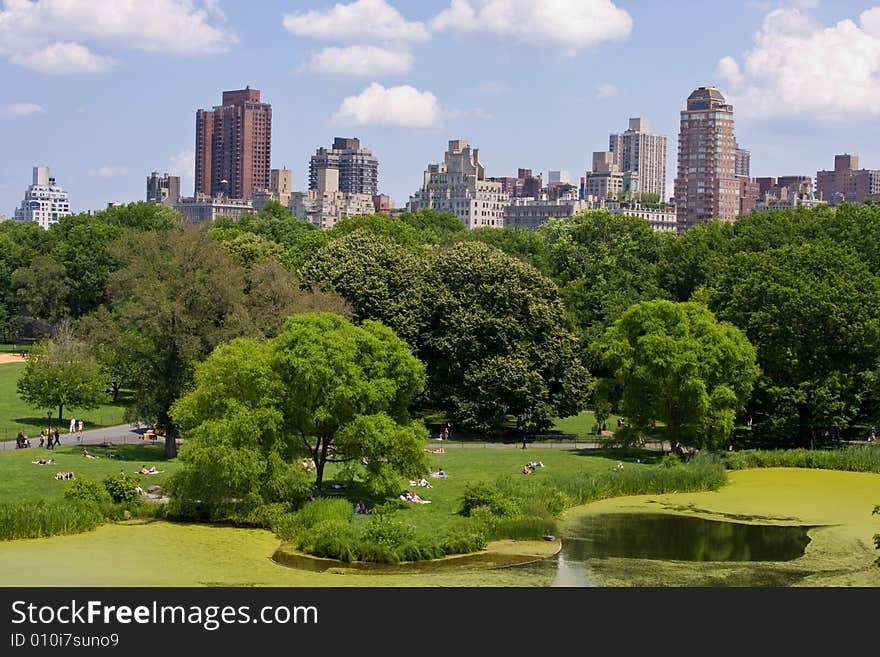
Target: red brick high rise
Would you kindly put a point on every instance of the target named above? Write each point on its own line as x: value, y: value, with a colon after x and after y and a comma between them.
x: 706, y: 187
x: 233, y: 144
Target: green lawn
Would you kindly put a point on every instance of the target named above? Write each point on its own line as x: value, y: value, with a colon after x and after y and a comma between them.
x: 582, y: 425
x: 473, y: 464
x: 24, y: 481
x: 17, y: 416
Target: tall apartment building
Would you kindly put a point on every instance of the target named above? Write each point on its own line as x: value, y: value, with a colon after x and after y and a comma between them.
x: 742, y: 161
x: 163, y: 189
x: 642, y: 152
x: 358, y: 167
x: 847, y: 182
x: 233, y: 145
x: 44, y: 201
x: 706, y: 187
x: 459, y: 185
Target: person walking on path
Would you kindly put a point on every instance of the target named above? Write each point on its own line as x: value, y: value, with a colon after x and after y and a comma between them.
x: 79, y: 430
x: 72, y: 425
x: 57, y: 436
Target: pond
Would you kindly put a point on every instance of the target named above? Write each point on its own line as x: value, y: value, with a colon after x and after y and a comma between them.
x: 681, y: 538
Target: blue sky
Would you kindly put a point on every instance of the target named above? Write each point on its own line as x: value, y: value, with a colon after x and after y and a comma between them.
x: 105, y: 91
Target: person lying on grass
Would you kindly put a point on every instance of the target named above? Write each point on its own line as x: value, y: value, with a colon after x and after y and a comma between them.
x: 63, y: 475
x: 44, y: 462
x: 86, y: 453
x: 422, y: 483
x: 412, y: 497
x: 148, y: 471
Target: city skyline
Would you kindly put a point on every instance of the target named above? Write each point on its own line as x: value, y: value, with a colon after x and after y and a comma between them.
x: 407, y: 77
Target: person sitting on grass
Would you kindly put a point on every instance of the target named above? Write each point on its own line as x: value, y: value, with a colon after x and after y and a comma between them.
x: 527, y: 469
x: 359, y: 508
x: 440, y: 474
x: 63, y: 475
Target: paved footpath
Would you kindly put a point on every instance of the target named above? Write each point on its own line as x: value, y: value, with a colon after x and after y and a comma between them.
x: 118, y: 435
x: 127, y: 434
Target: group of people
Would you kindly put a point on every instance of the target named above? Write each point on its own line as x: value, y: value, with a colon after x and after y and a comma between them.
x: 64, y: 475
x: 50, y: 437
x: 360, y: 508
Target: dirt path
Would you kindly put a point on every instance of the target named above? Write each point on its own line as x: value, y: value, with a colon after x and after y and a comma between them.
x: 10, y: 358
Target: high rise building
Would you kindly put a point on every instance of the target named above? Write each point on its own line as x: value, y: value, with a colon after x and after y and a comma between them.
x: 639, y: 151
x: 525, y: 185
x: 606, y: 180
x: 358, y: 167
x: 742, y: 161
x: 847, y: 183
x: 706, y: 187
x: 44, y: 202
x: 163, y: 189
x: 327, y: 204
x: 233, y: 146
x: 459, y: 185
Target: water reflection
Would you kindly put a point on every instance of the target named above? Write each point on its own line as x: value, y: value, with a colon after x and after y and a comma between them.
x: 680, y: 538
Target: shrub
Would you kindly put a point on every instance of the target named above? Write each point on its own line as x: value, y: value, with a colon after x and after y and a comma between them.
x: 87, y: 490
x: 122, y: 488
x: 38, y: 519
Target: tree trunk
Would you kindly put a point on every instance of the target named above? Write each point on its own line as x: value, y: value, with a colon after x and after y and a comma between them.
x: 319, y: 463
x: 170, y: 435
x: 60, y: 409
x: 116, y: 387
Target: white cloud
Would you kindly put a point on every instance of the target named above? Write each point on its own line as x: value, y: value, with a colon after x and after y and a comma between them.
x: 21, y: 109
x: 63, y: 59
x: 359, y: 21
x: 402, y: 106
x: 108, y: 171
x: 568, y: 25
x: 606, y: 90
x: 361, y: 60
x: 57, y: 35
x: 183, y: 164
x: 799, y: 66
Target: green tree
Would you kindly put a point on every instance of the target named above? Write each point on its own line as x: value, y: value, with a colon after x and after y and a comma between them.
x: 273, y: 294
x: 41, y: 291
x: 676, y: 363
x: 488, y: 309
x: 811, y: 312
x: 172, y: 305
x: 603, y: 264
x: 527, y: 245
x: 380, y: 278
x: 60, y: 372
x: 324, y: 387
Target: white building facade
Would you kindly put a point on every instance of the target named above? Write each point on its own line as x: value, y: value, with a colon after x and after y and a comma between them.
x: 44, y: 202
x: 459, y: 185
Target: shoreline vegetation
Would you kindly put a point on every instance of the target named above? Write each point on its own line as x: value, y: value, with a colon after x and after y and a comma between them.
x: 502, y: 509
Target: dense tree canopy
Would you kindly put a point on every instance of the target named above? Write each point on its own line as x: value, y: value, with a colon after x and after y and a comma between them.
x: 812, y: 313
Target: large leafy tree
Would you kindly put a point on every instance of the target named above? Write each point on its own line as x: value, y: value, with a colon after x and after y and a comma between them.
x: 172, y: 305
x: 324, y: 387
x: 676, y: 363
x: 41, y: 292
x: 811, y: 311
x: 496, y: 324
x: 61, y: 372
x: 380, y: 278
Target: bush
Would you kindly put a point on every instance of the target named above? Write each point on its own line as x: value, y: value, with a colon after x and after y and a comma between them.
x: 122, y: 488
x: 853, y: 458
x: 489, y: 496
x: 87, y: 490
